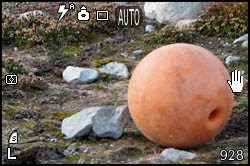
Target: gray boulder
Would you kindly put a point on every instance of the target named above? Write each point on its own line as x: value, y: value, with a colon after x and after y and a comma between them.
x: 115, y: 69
x: 79, y: 124
x: 110, y: 123
x: 76, y: 75
x: 172, y: 12
x: 96, y: 121
x: 174, y: 155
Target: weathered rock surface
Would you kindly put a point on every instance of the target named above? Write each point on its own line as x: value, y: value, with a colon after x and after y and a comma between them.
x: 172, y: 12
x: 172, y: 156
x: 96, y: 121
x: 115, y: 69
x: 110, y: 123
x: 79, y: 124
x: 137, y: 52
x: 76, y: 75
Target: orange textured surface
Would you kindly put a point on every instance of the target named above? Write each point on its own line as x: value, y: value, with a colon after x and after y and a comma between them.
x: 178, y: 96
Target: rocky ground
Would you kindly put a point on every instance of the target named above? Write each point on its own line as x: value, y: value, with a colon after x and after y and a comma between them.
x: 37, y: 115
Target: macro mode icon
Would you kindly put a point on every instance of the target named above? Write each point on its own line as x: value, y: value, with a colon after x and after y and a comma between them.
x: 11, y: 79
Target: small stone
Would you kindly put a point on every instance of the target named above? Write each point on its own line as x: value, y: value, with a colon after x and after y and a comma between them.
x: 82, y: 149
x: 96, y: 121
x: 53, y: 140
x: 115, y: 69
x: 226, y: 44
x: 137, y: 52
x: 71, y: 147
x: 76, y: 75
x: 66, y: 153
x: 26, y: 120
x: 47, y: 136
x: 210, y: 42
x: 232, y: 59
x: 15, y: 49
x: 149, y: 28
x: 75, y: 54
x: 245, y: 44
x: 81, y: 161
x: 174, y: 155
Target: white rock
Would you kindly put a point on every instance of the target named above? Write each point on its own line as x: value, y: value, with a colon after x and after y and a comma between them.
x: 137, y: 52
x: 72, y: 147
x: 149, y: 28
x: 232, y: 59
x: 79, y: 124
x: 172, y: 12
x: 81, y: 161
x: 33, y: 13
x: 242, y: 38
x: 245, y: 44
x: 96, y: 121
x: 77, y: 75
x: 226, y: 44
x: 185, y: 24
x: 174, y: 155
x: 110, y: 123
x: 15, y: 49
x: 115, y: 69
x: 124, y: 54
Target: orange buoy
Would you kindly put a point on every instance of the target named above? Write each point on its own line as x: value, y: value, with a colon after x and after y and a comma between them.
x: 178, y: 96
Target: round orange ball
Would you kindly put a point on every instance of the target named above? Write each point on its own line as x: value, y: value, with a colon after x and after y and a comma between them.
x: 178, y: 96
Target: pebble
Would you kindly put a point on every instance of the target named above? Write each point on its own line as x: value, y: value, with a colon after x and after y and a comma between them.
x: 81, y: 161
x: 66, y: 153
x: 15, y: 49
x: 226, y: 44
x: 149, y: 28
x: 174, y: 155
x: 137, y: 52
x: 72, y: 147
x: 232, y: 59
x: 53, y: 140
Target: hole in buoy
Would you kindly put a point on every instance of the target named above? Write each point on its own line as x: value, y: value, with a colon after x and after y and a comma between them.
x: 214, y: 114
